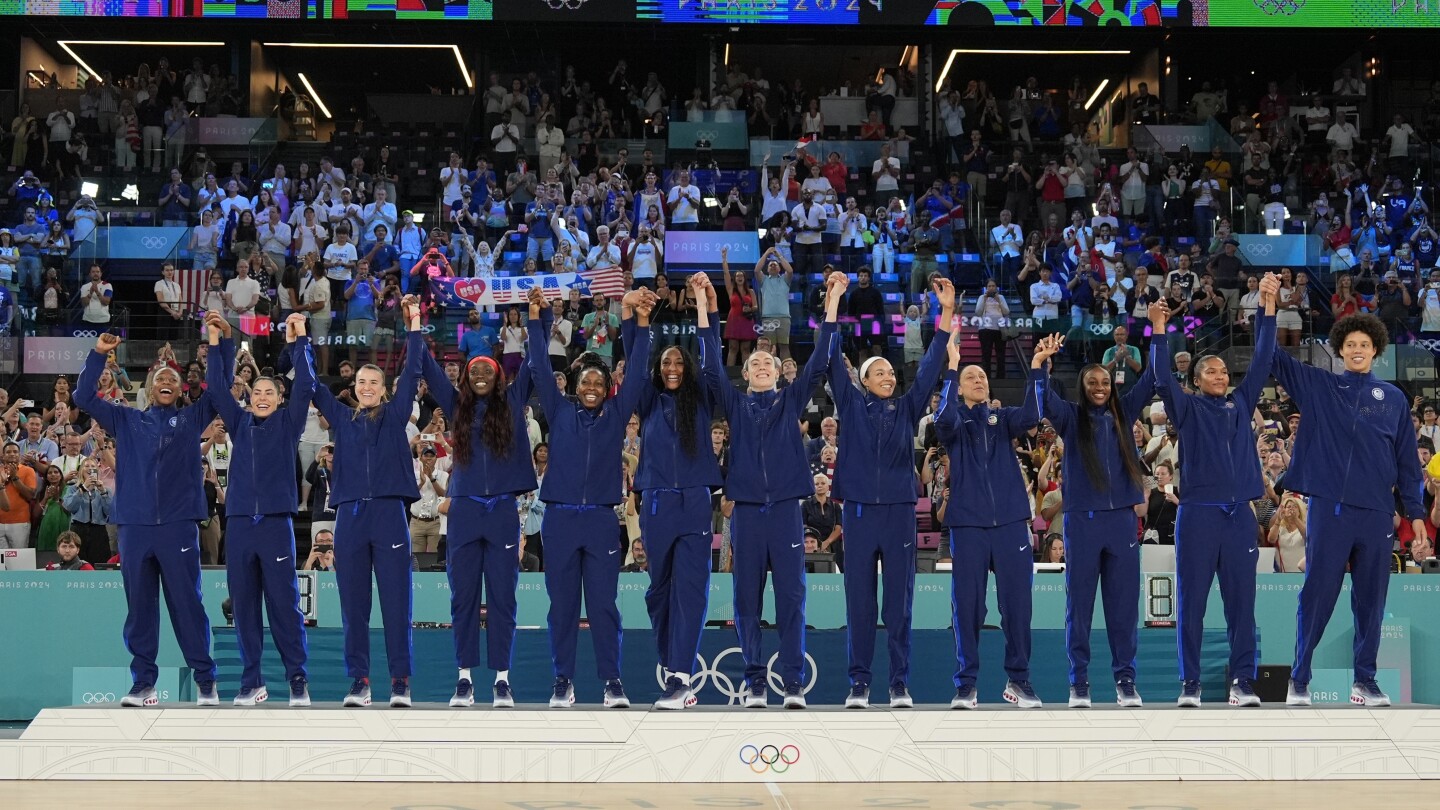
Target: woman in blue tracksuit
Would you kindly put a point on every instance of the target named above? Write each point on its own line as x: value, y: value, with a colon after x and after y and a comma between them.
x: 371, y: 489
x: 875, y: 480
x: 769, y: 476
x: 677, y: 474
x: 260, y: 498
x: 582, y: 486
x: 159, y: 500
x: 988, y: 517
x: 1101, y: 485
x: 490, y: 468
x: 1215, y: 528
x: 1355, y: 451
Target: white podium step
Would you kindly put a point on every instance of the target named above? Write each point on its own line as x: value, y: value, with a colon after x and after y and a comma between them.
x: 435, y: 744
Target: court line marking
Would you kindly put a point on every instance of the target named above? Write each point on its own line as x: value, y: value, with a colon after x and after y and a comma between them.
x: 780, y: 801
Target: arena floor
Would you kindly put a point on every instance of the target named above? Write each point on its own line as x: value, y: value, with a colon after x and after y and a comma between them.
x: 1038, y: 796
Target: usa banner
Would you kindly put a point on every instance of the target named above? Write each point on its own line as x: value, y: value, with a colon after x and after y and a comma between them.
x: 501, y: 291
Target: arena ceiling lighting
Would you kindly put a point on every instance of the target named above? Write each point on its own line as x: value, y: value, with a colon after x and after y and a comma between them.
x: 310, y: 88
x: 66, y: 43
x: 455, y: 49
x: 940, y: 82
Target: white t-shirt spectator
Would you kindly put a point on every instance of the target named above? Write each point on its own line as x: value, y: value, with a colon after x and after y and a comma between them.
x: 852, y: 230
x: 97, y: 310
x: 451, y: 179
x: 1400, y: 135
x: 682, y: 204
x: 168, y: 293
x: 380, y: 214
x: 560, y: 336
x: 274, y: 239
x: 313, y: 291
x: 603, y: 256
x: 644, y: 259
x: 428, y: 507
x: 343, y: 253
x: 1343, y: 135
x: 86, y: 220
x: 1008, y: 238
x: 1134, y: 186
x: 219, y: 456
x: 311, y: 238
x: 243, y: 293
x: 814, y: 218
x: 236, y: 204
x: 890, y: 181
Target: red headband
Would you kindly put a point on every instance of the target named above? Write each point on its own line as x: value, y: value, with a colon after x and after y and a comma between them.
x: 499, y: 372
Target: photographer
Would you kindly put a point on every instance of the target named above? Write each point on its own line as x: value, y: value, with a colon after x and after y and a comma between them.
x: 322, y: 554
x: 319, y: 476
x: 88, y: 502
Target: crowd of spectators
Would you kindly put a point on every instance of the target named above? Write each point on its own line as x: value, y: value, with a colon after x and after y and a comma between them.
x: 1068, y: 234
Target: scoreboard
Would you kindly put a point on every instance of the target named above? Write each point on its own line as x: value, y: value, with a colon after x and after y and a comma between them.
x: 967, y: 13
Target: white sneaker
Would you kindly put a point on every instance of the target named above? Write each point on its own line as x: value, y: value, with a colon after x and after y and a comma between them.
x: 1127, y: 696
x: 1079, y: 695
x: 359, y: 694
x: 859, y: 697
x: 757, y: 698
x: 900, y: 697
x: 251, y: 697
x: 1190, y: 695
x: 140, y: 696
x: 794, y: 697
x: 677, y: 695
x: 299, y: 693
x: 1367, y: 693
x: 1243, y: 694
x: 964, y: 698
x: 615, y: 696
x: 1297, y: 694
x: 464, y: 696
x: 563, y: 695
x: 208, y: 694
x: 1022, y: 694
x: 501, y: 696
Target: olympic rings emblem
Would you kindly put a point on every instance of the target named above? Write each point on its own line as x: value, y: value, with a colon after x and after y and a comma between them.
x: 1259, y: 249
x: 84, y: 333
x: 154, y: 242
x: 707, y: 135
x: 768, y: 757
x: 98, y: 697
x: 733, y: 691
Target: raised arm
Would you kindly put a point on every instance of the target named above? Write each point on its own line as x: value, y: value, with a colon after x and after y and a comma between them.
x: 537, y: 359
x: 220, y: 371
x: 819, y: 360
x: 409, y: 383
x: 107, y: 413
x: 712, y: 359
x: 439, y: 385
x: 1134, y: 401
x: 1060, y: 412
x: 1177, y: 402
x: 303, y: 391
x: 947, y: 418
x: 933, y: 360
x: 1258, y: 373
x: 1020, y: 420
x: 637, y: 382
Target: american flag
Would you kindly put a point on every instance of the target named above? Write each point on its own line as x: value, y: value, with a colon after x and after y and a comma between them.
x: 192, y: 288
x: 610, y: 281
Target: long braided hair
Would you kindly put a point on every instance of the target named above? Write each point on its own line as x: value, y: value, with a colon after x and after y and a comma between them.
x: 687, y: 397
x: 497, y: 430
x: 1089, y: 454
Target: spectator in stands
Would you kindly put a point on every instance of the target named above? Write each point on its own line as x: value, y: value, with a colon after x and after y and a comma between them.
x: 88, y: 501
x: 175, y: 199
x: 95, y: 297
x: 773, y: 279
x: 684, y: 203
x: 17, y: 490
x: 823, y: 516
x: 68, y: 547
x: 1162, y: 502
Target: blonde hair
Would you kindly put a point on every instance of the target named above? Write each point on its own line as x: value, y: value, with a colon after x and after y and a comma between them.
x: 1299, y: 502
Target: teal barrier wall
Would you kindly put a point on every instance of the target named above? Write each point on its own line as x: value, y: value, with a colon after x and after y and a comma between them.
x: 55, y: 622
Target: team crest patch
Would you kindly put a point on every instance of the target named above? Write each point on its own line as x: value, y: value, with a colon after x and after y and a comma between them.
x: 1377, y: 393
x: 174, y: 420
x: 994, y: 420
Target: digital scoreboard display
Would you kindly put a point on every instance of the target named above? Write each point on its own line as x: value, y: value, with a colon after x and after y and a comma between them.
x: 963, y: 13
